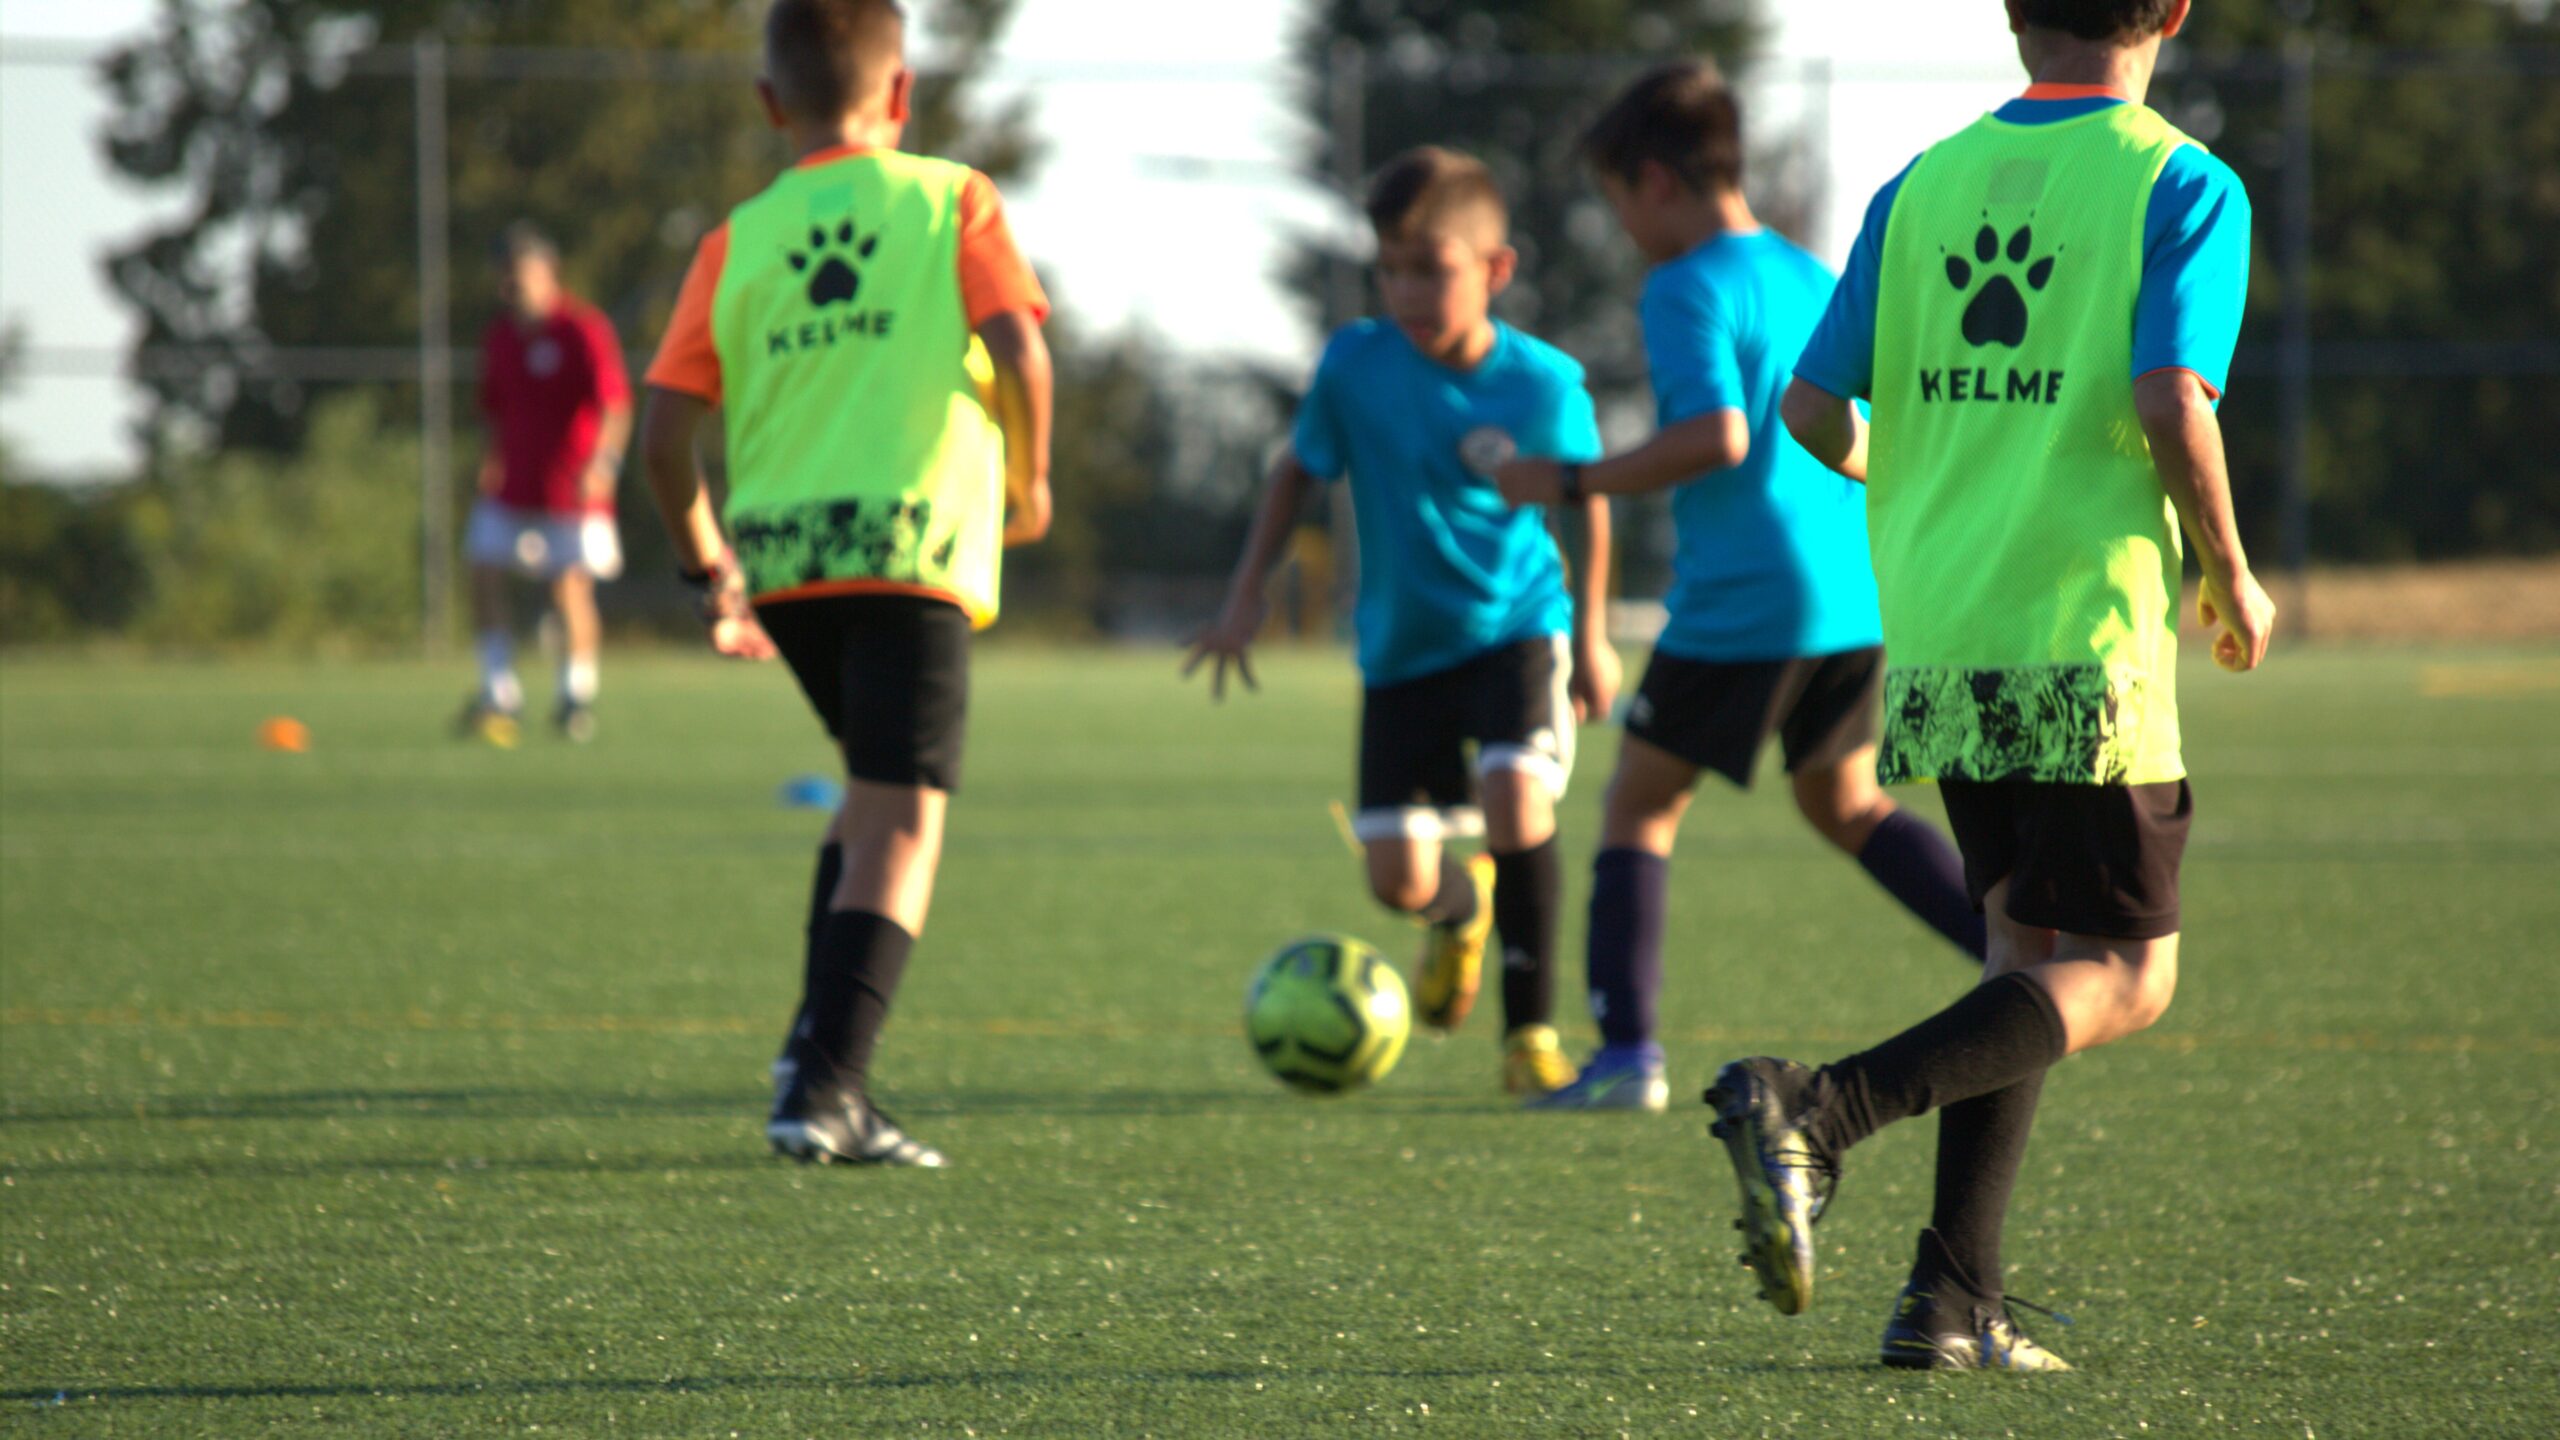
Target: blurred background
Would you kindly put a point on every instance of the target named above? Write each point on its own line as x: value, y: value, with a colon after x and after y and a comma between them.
x: 242, y: 269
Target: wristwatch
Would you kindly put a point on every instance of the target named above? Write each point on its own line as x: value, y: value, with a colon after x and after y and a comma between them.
x: 1572, y: 486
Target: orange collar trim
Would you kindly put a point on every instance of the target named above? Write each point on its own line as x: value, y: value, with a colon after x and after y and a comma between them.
x: 830, y: 156
x: 2076, y: 92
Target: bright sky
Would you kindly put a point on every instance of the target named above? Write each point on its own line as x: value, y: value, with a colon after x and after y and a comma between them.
x: 1124, y: 237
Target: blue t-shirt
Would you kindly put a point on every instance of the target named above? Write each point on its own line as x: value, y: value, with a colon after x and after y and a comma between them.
x: 1447, y: 570
x: 1772, y: 561
x: 2195, y: 270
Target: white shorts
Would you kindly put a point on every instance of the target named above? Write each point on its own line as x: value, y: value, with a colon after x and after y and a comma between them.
x: 541, y: 545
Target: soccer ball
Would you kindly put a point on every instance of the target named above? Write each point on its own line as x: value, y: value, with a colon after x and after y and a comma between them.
x: 1327, y: 1014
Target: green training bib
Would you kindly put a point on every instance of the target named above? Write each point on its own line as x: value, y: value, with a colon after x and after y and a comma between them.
x: 2027, y: 558
x: 863, y: 454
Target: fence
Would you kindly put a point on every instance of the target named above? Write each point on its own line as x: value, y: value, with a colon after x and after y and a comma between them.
x: 474, y: 137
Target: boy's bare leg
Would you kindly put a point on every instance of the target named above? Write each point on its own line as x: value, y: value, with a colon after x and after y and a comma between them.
x: 1422, y: 878
x: 573, y: 594
x: 1915, y: 863
x: 494, y: 638
x: 892, y: 846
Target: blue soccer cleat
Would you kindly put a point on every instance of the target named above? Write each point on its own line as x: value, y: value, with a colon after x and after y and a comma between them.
x: 1619, y: 1077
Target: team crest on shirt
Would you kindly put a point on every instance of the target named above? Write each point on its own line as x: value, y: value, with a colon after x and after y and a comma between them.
x: 832, y: 263
x: 1996, y: 313
x: 542, y: 358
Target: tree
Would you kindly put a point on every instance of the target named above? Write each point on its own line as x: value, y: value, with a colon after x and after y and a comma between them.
x: 623, y: 125
x: 2434, y: 283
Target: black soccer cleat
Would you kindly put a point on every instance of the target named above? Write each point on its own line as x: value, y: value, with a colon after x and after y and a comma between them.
x: 1941, y: 1322
x: 818, y: 1119
x: 1786, y: 1180
x: 575, y: 721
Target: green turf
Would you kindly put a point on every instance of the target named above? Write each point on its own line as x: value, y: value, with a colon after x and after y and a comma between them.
x: 404, y: 1088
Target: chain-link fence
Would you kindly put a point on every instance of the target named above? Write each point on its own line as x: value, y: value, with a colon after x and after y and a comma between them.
x: 2397, y: 394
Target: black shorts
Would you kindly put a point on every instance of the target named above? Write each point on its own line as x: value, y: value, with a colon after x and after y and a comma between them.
x: 1719, y: 715
x: 1416, y: 779
x: 889, y: 674
x: 2097, y: 860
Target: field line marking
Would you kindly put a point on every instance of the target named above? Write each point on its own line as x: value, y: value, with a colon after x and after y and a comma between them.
x: 127, y: 1017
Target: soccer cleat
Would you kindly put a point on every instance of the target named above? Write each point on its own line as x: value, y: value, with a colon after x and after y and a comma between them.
x: 485, y: 722
x: 1954, y: 1331
x: 575, y: 721
x: 1533, y: 1064
x: 1452, y: 965
x: 820, y: 1120
x: 1786, y: 1180
x: 1618, y: 1078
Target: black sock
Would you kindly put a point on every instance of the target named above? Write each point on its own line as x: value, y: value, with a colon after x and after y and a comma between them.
x: 1919, y: 867
x: 2001, y: 1032
x: 853, y: 973
x: 822, y: 898
x: 822, y: 891
x: 1528, y: 890
x: 1454, y: 903
x: 1630, y: 891
x: 1982, y: 1143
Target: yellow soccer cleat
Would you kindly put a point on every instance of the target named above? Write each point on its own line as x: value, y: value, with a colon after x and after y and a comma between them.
x: 1452, y: 965
x: 1533, y: 1063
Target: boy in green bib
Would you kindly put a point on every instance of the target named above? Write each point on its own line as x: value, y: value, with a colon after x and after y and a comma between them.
x: 2042, y: 311
x: 872, y: 337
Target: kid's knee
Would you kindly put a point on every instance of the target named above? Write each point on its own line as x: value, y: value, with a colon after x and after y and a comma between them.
x: 1407, y: 894
x: 2148, y: 995
x: 1844, y: 813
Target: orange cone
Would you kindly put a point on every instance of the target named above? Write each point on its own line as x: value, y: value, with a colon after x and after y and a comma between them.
x: 286, y: 734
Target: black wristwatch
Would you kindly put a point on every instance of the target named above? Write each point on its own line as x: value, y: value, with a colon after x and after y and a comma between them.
x: 1572, y: 486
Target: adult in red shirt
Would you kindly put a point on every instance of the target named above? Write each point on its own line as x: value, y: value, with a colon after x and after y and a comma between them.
x: 558, y: 408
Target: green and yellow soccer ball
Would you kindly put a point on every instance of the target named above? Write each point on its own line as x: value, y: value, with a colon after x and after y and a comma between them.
x: 1327, y: 1014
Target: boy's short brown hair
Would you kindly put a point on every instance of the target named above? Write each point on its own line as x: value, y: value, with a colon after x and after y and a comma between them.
x: 1681, y: 117
x: 2121, y: 22
x: 827, y: 58
x: 1430, y: 189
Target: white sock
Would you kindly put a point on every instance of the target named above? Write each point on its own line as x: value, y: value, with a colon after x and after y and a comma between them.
x: 498, y: 684
x: 578, y: 681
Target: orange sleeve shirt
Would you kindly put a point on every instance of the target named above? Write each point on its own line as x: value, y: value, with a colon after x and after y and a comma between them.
x: 994, y: 279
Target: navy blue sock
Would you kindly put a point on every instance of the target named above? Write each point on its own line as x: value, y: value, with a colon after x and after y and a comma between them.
x: 1919, y: 867
x: 1528, y: 890
x: 1630, y: 890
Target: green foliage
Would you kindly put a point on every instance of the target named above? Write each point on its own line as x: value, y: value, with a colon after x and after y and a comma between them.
x: 2435, y: 220
x: 69, y: 567
x: 319, y: 548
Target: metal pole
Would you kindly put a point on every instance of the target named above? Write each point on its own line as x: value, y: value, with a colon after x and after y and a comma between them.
x: 2294, y: 363
x: 435, y: 354
x: 1349, y: 74
x: 1348, y: 285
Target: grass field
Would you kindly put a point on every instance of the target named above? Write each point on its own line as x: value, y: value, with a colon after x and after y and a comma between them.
x: 403, y: 1088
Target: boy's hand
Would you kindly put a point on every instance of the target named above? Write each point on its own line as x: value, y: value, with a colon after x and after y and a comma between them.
x: 2246, y: 617
x: 1596, y: 677
x: 1027, y: 512
x: 1229, y: 640
x: 720, y: 599
x: 1531, y: 482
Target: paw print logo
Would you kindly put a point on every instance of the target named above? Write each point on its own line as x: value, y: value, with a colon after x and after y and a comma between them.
x: 829, y: 263
x: 1998, y: 314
